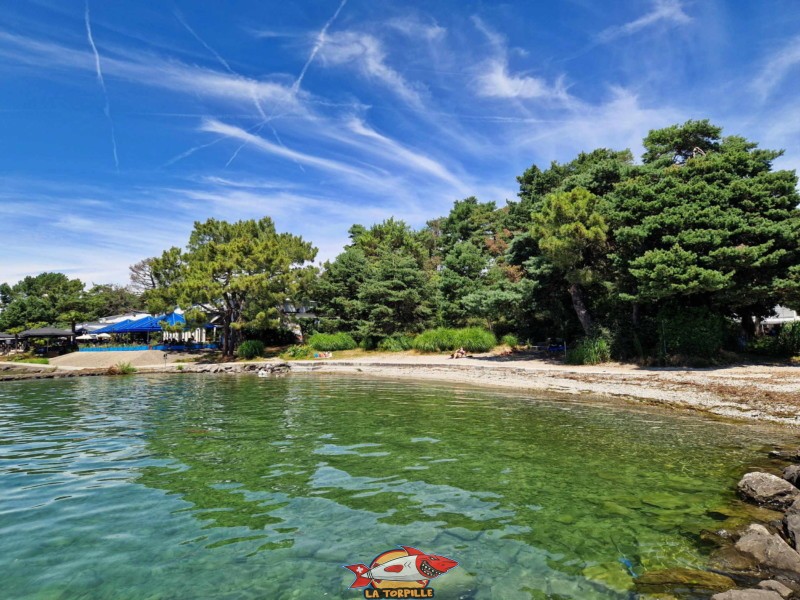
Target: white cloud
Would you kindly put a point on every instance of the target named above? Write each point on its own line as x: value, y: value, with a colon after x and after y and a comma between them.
x: 414, y: 27
x: 151, y: 71
x: 366, y: 52
x: 399, y: 153
x: 494, y: 81
x: 777, y: 67
x: 231, y: 131
x: 663, y: 11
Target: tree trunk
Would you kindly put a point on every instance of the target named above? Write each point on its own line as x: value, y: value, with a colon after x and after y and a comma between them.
x: 580, y: 308
x: 227, y: 349
x: 748, y: 324
x: 635, y: 314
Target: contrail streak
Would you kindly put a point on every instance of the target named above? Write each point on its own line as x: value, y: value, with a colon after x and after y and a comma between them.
x: 216, y: 54
x: 317, y: 46
x: 107, y: 108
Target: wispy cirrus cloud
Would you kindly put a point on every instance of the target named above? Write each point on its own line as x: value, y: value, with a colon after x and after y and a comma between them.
x: 237, y: 133
x: 366, y: 53
x: 494, y: 79
x: 777, y: 67
x: 663, y: 12
x: 150, y: 71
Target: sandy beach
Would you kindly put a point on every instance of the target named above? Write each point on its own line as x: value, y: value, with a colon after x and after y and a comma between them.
x: 751, y: 392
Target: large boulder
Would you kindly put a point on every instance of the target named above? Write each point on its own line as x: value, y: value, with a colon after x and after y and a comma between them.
x: 767, y: 489
x: 791, y: 524
x: 773, y: 554
x: 792, y: 474
x: 776, y: 586
x: 748, y: 595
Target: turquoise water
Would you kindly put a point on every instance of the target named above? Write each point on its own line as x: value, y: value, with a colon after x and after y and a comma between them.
x: 192, y: 486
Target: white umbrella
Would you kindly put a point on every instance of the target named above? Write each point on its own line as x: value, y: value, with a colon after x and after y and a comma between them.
x: 86, y: 336
x: 103, y: 336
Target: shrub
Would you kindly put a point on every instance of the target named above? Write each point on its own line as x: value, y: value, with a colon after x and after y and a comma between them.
x: 250, y: 349
x: 789, y: 339
x: 122, y: 368
x: 590, y: 351
x: 510, y: 339
x: 472, y: 339
x: 395, y: 343
x: 691, y: 332
x: 331, y: 341
x: 298, y: 352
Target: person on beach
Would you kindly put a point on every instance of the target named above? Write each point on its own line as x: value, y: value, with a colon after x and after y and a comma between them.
x: 460, y: 353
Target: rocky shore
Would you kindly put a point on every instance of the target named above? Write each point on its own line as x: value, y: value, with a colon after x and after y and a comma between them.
x: 763, y: 559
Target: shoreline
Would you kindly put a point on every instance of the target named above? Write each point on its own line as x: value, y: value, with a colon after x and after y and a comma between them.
x: 746, y: 392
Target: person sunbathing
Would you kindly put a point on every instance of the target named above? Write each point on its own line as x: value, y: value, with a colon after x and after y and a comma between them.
x: 460, y: 353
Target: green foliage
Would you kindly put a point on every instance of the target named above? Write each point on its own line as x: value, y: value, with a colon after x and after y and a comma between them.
x: 472, y: 339
x: 590, y: 350
x: 690, y: 332
x: 510, y: 339
x: 43, y: 298
x: 789, y: 339
x: 242, y: 272
x: 332, y: 341
x: 35, y: 360
x: 396, y: 343
x: 250, y: 349
x: 122, y: 368
x: 298, y: 352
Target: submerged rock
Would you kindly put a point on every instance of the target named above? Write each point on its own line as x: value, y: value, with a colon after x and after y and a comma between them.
x: 768, y: 489
x: 679, y: 578
x: 791, y: 524
x: 770, y: 550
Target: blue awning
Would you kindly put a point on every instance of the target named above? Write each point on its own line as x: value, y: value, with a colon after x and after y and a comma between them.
x: 172, y: 319
x: 113, y: 328
x: 146, y: 325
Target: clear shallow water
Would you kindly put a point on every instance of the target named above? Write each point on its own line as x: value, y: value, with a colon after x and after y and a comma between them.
x: 153, y: 487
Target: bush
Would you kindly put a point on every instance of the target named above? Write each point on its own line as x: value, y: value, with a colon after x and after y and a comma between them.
x: 472, y: 339
x: 690, y: 332
x: 298, y: 352
x: 250, y: 349
x: 510, y: 339
x: 789, y: 339
x: 590, y: 351
x: 395, y: 343
x: 331, y: 341
x: 122, y: 368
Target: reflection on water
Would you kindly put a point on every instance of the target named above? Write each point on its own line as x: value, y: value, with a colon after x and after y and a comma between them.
x: 238, y: 487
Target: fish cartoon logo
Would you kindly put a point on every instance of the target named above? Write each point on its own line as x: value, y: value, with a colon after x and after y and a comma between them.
x: 402, y: 573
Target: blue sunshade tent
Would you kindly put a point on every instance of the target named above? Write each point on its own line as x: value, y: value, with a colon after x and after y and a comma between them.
x: 146, y: 325
x: 114, y: 327
x: 172, y: 319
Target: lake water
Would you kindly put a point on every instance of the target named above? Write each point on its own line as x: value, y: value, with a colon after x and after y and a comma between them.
x: 192, y: 486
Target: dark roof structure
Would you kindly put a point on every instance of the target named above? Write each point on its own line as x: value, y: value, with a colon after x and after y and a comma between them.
x: 46, y: 332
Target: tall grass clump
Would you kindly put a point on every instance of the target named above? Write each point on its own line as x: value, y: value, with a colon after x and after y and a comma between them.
x: 472, y: 339
x: 122, y: 368
x: 298, y: 352
x: 590, y: 351
x: 250, y: 349
x: 510, y: 339
x: 395, y: 343
x: 331, y: 341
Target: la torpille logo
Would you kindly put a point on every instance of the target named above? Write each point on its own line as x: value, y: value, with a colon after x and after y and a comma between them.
x: 402, y: 573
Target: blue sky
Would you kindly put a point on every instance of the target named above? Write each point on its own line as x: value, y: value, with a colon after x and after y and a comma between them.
x: 123, y: 122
